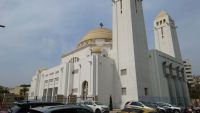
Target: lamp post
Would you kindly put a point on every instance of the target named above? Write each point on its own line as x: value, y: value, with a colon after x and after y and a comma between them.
x: 2, y: 26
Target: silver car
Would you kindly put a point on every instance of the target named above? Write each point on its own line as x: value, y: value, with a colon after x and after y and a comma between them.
x: 174, y: 108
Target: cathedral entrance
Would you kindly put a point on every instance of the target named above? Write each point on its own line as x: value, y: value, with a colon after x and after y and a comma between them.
x: 84, y: 90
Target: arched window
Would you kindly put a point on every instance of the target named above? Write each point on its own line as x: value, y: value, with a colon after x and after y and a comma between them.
x: 84, y: 90
x: 74, y: 60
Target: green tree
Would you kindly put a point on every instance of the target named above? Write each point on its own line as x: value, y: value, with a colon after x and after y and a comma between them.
x: 3, y: 90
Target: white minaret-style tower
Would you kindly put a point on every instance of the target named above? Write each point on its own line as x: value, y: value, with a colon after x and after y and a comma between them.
x: 166, y: 39
x: 130, y: 50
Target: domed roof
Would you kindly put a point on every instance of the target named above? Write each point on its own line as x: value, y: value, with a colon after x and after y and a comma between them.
x: 99, y: 33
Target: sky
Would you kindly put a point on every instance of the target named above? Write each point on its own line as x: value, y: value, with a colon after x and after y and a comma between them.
x: 38, y: 32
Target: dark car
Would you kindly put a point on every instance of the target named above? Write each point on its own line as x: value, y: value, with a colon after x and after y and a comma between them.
x: 24, y: 106
x: 61, y: 109
x: 172, y: 108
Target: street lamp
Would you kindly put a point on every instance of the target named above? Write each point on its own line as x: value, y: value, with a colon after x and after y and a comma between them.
x: 2, y: 26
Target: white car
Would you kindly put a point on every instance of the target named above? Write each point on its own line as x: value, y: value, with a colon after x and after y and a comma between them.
x: 96, y: 106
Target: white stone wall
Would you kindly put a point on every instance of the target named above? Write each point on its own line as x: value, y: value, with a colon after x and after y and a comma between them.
x: 105, y: 79
x: 130, y: 50
x: 82, y: 53
x: 161, y: 83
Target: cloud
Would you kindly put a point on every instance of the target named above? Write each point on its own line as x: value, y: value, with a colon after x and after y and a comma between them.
x: 38, y: 32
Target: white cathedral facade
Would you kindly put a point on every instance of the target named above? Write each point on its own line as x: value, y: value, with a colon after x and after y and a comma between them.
x: 118, y: 63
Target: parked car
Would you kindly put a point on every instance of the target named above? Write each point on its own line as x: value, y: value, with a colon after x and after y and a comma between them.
x: 155, y: 106
x: 162, y: 109
x: 61, y: 109
x: 173, y: 108
x: 139, y: 106
x: 131, y: 110
x: 97, y: 106
x: 24, y: 106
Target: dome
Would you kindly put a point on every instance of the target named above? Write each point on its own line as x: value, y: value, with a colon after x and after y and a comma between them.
x: 96, y: 49
x: 99, y: 33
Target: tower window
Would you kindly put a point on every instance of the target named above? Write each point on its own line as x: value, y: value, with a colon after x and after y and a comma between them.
x: 164, y: 21
x: 157, y: 23
x: 121, y: 5
x: 75, y: 71
x: 123, y: 91
x: 161, y: 22
x: 162, y: 33
x: 123, y: 71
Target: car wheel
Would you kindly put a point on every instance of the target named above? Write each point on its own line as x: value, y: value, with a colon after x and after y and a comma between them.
x: 162, y: 111
x: 97, y: 111
x: 176, y: 111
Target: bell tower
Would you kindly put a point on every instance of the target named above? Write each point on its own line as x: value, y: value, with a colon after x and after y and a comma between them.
x: 166, y: 39
x: 130, y: 50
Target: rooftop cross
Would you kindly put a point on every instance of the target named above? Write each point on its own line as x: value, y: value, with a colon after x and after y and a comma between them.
x: 101, y: 24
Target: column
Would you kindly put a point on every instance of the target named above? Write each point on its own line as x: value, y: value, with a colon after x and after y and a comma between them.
x: 170, y: 88
x: 173, y: 87
x: 177, y: 90
x: 181, y: 90
x: 185, y: 89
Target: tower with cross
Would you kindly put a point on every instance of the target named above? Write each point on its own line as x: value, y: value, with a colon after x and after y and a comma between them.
x: 166, y: 39
x: 130, y: 51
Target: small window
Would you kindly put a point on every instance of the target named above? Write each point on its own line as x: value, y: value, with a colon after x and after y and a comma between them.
x: 123, y: 91
x: 164, y: 21
x: 146, y: 91
x: 161, y: 22
x: 162, y: 32
x: 123, y: 71
x: 46, y: 81
x: 75, y: 71
x: 57, y: 79
x: 51, y: 80
x: 57, y: 72
x: 157, y: 23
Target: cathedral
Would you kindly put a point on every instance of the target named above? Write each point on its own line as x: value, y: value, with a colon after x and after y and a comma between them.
x: 117, y: 63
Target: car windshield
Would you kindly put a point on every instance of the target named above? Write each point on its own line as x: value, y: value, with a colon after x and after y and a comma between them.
x: 98, y: 103
x: 162, y: 104
x: 149, y: 104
